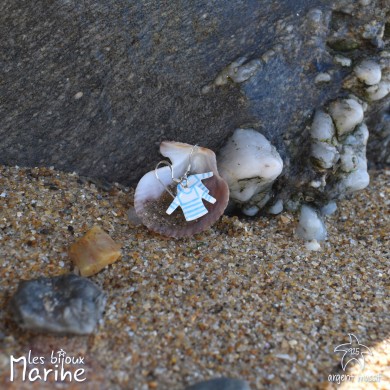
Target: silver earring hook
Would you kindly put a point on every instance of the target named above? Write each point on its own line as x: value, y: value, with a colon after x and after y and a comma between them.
x: 182, y: 179
x: 195, y: 147
x: 157, y: 177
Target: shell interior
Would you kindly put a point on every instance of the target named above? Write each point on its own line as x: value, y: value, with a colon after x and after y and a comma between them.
x: 151, y: 199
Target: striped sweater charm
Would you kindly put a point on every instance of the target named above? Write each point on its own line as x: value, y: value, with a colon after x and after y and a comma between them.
x: 190, y: 193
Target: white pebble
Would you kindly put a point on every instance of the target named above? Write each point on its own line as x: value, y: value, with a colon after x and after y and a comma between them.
x: 250, y: 211
x: 245, y: 71
x: 368, y: 72
x: 359, y: 137
x: 322, y: 128
x: 3, y: 195
x: 329, y: 209
x: 238, y: 71
x: 312, y: 245
x: 311, y: 226
x: 357, y: 180
x: 316, y: 183
x: 78, y: 95
x: 348, y: 159
x: 322, y: 78
x: 276, y: 208
x: 249, y: 164
x: 379, y: 91
x: 325, y: 154
x: 343, y: 61
x: 347, y: 114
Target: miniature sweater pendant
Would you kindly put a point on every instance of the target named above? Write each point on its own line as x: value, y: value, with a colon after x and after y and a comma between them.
x: 190, y: 192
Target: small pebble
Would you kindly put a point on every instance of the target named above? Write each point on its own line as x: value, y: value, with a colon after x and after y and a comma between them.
x: 238, y: 71
x: 322, y: 78
x: 329, y: 209
x: 322, y: 128
x: 91, y: 253
x: 347, y: 114
x: 316, y: 183
x: 276, y: 208
x: 251, y: 211
x: 311, y: 226
x: 368, y: 72
x: 325, y: 154
x: 66, y: 304
x: 78, y: 95
x: 378, y: 91
x: 312, y: 245
x: 343, y: 61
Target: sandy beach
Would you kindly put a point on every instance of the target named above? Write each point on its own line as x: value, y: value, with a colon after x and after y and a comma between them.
x: 244, y: 299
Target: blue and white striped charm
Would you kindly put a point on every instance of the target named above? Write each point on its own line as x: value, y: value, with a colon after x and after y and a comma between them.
x: 189, y: 197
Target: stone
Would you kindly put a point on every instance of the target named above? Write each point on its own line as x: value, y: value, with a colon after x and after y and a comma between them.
x: 378, y: 91
x: 322, y: 78
x: 67, y: 304
x: 249, y: 164
x: 322, y: 127
x: 343, y: 61
x: 238, y: 71
x: 347, y: 114
x: 329, y: 208
x: 276, y: 208
x: 220, y: 384
x: 357, y: 180
x: 94, y: 251
x: 325, y: 155
x: 311, y: 227
x: 368, y: 72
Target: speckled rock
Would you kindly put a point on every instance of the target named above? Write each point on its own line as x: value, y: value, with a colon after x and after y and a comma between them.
x: 220, y: 384
x: 63, y: 304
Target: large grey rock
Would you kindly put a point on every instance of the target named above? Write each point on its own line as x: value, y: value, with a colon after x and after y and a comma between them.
x: 96, y: 86
x: 63, y: 304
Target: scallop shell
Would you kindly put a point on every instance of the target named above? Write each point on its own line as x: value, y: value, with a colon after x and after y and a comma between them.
x: 151, y: 198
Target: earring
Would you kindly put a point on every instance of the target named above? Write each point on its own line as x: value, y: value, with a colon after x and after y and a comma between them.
x: 190, y: 178
x: 190, y: 191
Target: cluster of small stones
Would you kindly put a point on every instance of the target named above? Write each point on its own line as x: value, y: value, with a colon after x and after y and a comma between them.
x: 339, y: 137
x: 338, y: 133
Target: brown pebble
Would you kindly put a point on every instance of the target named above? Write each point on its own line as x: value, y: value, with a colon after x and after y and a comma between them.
x: 94, y: 251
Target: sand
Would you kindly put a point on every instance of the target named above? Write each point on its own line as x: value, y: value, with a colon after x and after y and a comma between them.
x: 243, y: 299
